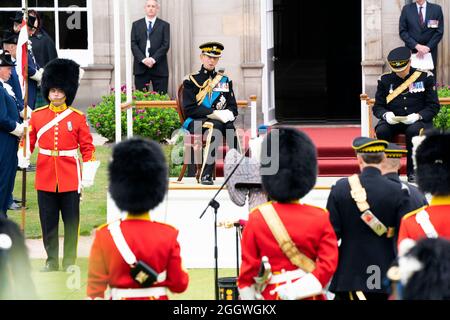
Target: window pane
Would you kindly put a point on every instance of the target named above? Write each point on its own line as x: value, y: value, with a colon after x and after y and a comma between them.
x: 73, y: 32
x: 48, y: 23
x: 10, y: 3
x: 5, y: 21
x: 41, y: 3
x: 68, y: 3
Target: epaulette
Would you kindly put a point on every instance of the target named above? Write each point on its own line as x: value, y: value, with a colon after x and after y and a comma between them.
x: 322, y: 209
x: 165, y: 224
x: 384, y: 74
x: 413, y: 213
x: 40, y: 109
x: 257, y: 208
x: 76, y: 110
x: 187, y: 77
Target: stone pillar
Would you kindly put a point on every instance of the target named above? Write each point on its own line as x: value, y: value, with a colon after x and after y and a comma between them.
x: 372, y: 61
x: 252, y: 67
x: 444, y: 46
x: 179, y: 14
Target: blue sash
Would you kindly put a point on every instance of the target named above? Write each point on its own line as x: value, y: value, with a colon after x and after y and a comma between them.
x: 207, y: 102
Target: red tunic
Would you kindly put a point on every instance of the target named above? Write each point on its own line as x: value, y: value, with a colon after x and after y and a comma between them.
x: 439, y: 212
x: 69, y: 134
x: 309, y: 228
x: 154, y: 243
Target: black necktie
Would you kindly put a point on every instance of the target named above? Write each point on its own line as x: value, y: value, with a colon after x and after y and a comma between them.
x: 421, y: 20
x: 149, y: 29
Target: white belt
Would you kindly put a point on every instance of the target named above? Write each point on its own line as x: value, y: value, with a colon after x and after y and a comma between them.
x: 287, y: 276
x: 118, y: 294
x: 59, y: 153
x: 65, y: 153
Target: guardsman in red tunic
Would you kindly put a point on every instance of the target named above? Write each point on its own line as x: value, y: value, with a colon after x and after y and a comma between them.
x: 59, y: 131
x: 433, y: 176
x: 135, y: 257
x: 304, y: 270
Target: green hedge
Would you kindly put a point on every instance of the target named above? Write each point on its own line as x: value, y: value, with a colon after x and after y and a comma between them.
x: 442, y: 119
x: 154, y: 123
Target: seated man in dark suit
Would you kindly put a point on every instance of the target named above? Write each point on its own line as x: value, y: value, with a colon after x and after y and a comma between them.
x: 150, y: 42
x: 209, y: 103
x: 406, y: 102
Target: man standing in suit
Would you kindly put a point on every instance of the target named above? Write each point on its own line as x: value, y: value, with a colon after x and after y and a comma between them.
x: 422, y: 27
x: 150, y: 41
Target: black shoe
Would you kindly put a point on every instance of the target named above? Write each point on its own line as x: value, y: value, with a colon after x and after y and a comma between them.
x: 207, y: 180
x: 412, y: 178
x: 50, y: 267
x: 14, y: 206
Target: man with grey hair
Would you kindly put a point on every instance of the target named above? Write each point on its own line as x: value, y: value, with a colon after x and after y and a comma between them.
x: 150, y: 42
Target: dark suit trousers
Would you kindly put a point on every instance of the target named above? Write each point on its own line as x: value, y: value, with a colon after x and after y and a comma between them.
x: 50, y: 204
x: 160, y: 84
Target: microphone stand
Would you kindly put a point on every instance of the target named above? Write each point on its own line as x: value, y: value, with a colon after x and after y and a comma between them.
x: 216, y: 205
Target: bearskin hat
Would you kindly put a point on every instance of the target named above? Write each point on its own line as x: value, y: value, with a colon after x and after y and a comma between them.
x: 431, y: 280
x: 62, y: 74
x: 297, y: 170
x: 138, y: 175
x: 433, y: 164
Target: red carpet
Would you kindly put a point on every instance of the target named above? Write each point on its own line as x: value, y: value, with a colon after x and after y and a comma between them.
x: 334, y: 145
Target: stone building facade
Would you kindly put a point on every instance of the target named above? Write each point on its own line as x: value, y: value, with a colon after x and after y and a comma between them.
x: 244, y: 27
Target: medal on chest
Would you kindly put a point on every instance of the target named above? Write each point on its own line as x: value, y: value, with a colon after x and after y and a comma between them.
x: 69, y: 126
x: 417, y: 87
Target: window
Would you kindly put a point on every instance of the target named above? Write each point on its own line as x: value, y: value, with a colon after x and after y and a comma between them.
x: 68, y: 22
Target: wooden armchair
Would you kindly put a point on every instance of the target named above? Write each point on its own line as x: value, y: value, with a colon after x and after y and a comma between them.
x: 370, y: 120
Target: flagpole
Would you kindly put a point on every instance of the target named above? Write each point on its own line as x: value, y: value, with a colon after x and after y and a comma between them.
x: 25, y: 117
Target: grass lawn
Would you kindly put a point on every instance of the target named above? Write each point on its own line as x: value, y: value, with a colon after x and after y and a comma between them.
x: 93, y: 204
x: 92, y: 207
x: 65, y: 286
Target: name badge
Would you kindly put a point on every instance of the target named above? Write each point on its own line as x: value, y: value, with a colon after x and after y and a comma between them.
x: 222, y: 87
x: 69, y: 126
x: 433, y: 24
x: 417, y: 87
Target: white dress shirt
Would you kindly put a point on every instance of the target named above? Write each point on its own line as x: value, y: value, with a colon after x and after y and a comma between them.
x: 424, y: 11
x: 149, y: 45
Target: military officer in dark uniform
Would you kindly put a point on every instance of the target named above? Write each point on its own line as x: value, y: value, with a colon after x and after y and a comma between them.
x: 365, y: 210
x: 406, y: 102
x: 209, y: 104
x: 11, y: 129
x: 390, y: 168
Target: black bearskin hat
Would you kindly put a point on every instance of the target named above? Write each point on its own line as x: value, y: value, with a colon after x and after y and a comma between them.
x: 433, y: 164
x: 432, y: 280
x: 297, y: 171
x: 62, y: 74
x: 138, y: 175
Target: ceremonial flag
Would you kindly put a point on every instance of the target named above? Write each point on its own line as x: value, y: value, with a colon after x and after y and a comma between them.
x: 22, y: 56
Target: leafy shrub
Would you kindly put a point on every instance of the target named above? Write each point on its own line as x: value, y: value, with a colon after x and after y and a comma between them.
x: 154, y: 123
x: 442, y: 119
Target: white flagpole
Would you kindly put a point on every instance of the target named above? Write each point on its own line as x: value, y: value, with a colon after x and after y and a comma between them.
x: 117, y: 70
x: 129, y: 76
